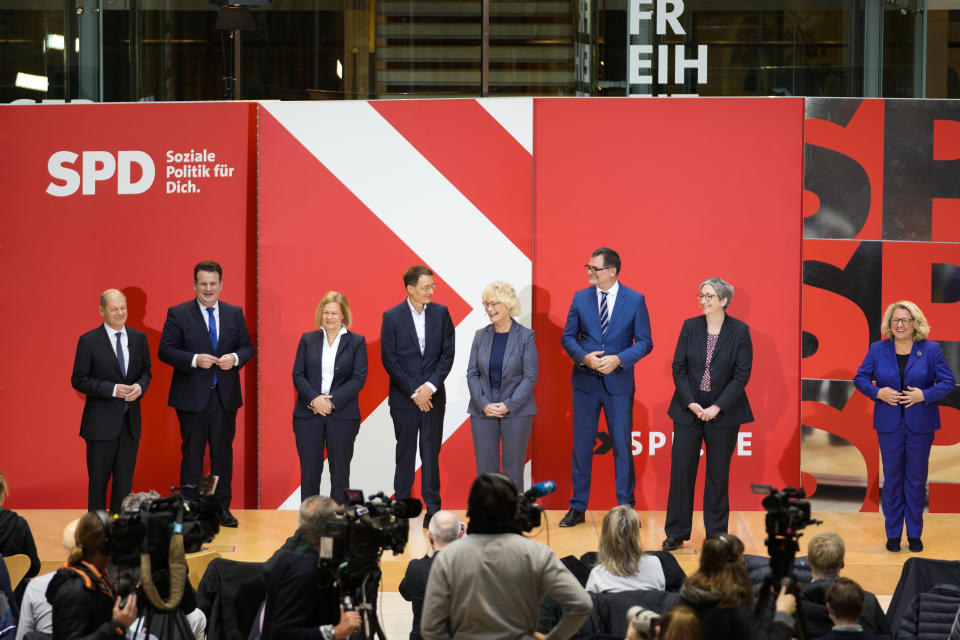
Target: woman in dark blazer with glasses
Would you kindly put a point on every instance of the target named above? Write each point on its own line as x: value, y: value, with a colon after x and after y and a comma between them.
x: 500, y: 375
x: 711, y: 367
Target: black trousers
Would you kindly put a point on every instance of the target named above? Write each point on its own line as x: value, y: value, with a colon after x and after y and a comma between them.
x: 316, y: 433
x: 106, y: 458
x: 411, y: 426
x: 214, y: 426
x: 719, y: 444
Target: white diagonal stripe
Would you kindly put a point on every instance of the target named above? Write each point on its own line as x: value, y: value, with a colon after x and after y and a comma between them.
x: 515, y: 115
x: 412, y: 198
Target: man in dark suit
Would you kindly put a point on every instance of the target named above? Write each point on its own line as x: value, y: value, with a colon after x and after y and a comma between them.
x: 445, y: 527
x: 206, y: 342
x: 607, y: 332
x: 845, y: 604
x: 112, y: 368
x: 416, y: 347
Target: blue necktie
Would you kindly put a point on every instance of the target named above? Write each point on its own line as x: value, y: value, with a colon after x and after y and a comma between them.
x: 604, y: 314
x: 213, y: 335
x: 123, y: 366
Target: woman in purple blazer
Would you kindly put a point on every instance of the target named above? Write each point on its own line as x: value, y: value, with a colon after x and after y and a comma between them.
x: 905, y: 376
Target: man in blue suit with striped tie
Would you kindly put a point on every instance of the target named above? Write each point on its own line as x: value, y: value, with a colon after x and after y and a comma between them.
x: 607, y: 332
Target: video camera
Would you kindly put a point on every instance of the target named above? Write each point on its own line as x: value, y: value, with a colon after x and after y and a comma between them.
x: 787, y: 512
x: 529, y: 513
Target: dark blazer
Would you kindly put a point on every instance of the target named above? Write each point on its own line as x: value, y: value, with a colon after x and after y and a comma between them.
x: 628, y: 336
x: 518, y: 376
x: 96, y: 371
x: 729, y: 371
x: 400, y: 352
x: 414, y: 586
x: 349, y: 373
x: 186, y: 333
x: 926, y: 370
x: 852, y: 635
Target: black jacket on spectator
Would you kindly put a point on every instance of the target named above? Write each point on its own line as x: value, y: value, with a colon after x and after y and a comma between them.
x: 720, y: 623
x: 229, y: 595
x: 414, y: 586
x: 15, y: 537
x: 930, y: 615
x: 813, y: 600
x: 917, y: 576
x: 852, y: 635
x: 82, y: 602
x: 299, y: 600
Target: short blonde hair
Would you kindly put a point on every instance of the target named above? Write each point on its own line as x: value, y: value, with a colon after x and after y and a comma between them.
x: 825, y: 553
x: 505, y: 293
x: 620, y: 550
x: 340, y: 299
x: 920, y: 327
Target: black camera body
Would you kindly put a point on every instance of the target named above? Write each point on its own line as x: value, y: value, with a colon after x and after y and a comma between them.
x: 152, y: 527
x: 787, y: 511
x: 529, y: 513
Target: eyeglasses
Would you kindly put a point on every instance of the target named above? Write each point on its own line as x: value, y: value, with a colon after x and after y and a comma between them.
x: 594, y: 270
x: 491, y: 304
x: 706, y: 296
x: 899, y: 321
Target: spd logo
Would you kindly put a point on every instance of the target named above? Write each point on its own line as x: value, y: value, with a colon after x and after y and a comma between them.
x: 99, y: 166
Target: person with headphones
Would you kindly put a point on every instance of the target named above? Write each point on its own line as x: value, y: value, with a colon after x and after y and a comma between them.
x: 85, y: 602
x: 489, y: 583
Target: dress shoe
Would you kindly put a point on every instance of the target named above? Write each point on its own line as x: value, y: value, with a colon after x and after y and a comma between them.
x: 426, y: 520
x: 573, y: 518
x: 671, y: 543
x: 893, y: 544
x: 915, y: 544
x: 227, y: 519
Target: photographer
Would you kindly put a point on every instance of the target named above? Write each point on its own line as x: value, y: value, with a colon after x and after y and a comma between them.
x: 300, y: 598
x: 85, y: 602
x: 490, y: 583
x: 445, y: 527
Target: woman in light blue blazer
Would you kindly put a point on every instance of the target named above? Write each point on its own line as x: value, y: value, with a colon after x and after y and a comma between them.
x: 501, y: 375
x: 905, y: 376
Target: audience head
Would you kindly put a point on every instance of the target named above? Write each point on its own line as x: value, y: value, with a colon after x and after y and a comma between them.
x: 620, y: 549
x: 445, y: 527
x: 315, y: 511
x: 722, y: 570
x: 680, y: 623
x: 69, y: 536
x: 3, y: 488
x: 492, y: 504
x: 135, y: 501
x: 91, y: 540
x: 825, y: 555
x: 844, y: 601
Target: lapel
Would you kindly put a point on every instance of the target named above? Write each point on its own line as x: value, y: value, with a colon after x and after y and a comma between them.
x: 486, y: 345
x: 915, y: 354
x: 202, y: 317
x: 407, y: 320
x: 726, y: 332
x: 700, y: 341
x: 617, y: 308
x: 594, y: 313
x: 513, y: 344
x: 891, y: 354
x: 341, y: 348
x: 111, y: 350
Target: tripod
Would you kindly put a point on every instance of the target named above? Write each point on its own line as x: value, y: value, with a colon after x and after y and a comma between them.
x: 783, y: 550
x: 357, y: 597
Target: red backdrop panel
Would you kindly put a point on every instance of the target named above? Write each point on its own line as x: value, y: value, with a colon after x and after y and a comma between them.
x: 60, y: 252
x: 683, y: 189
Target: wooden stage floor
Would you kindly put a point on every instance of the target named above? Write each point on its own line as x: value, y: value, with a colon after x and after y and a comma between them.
x: 867, y: 562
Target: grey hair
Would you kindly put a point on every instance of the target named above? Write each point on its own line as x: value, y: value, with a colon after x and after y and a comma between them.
x: 105, y: 294
x: 444, y: 527
x: 723, y: 288
x: 315, y: 511
x: 135, y: 501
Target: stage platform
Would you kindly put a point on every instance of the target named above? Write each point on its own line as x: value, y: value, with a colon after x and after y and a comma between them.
x: 261, y: 532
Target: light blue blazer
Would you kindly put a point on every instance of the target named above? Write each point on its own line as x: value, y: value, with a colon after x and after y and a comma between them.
x: 519, y: 371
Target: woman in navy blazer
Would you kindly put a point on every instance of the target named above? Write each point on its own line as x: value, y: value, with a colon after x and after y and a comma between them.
x: 905, y: 376
x: 501, y: 375
x: 711, y: 367
x: 328, y: 373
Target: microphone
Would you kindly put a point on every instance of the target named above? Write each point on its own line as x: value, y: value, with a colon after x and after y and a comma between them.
x: 541, y: 489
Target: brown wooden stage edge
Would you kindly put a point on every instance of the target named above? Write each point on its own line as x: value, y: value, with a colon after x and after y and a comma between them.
x: 261, y: 532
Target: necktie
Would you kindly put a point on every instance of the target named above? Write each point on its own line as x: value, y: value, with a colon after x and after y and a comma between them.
x: 123, y: 366
x: 212, y: 322
x: 604, y: 313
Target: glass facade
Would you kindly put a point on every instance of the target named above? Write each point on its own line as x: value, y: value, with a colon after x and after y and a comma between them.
x: 141, y: 50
